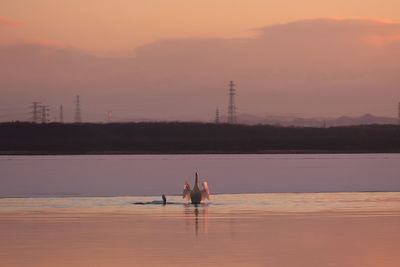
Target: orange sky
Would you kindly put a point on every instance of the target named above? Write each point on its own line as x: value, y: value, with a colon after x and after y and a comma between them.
x: 118, y: 26
x: 283, y: 55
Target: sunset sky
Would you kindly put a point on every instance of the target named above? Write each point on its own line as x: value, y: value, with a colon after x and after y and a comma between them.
x: 160, y: 59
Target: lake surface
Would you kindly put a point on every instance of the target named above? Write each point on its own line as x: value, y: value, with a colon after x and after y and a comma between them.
x: 281, y: 229
x: 51, y: 220
x: 115, y: 175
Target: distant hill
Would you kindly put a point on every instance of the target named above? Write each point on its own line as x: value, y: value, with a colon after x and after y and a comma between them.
x: 366, y: 119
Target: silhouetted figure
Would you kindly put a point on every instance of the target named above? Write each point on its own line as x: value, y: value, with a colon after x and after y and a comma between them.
x: 195, y: 195
x: 163, y: 201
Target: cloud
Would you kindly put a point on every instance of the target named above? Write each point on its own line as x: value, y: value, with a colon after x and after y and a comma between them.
x: 323, y: 66
x: 383, y: 40
x: 46, y: 42
x: 10, y: 22
x: 348, y: 29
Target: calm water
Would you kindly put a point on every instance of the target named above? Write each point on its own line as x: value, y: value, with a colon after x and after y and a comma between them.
x: 68, y: 228
x: 307, y: 229
x: 156, y: 174
x: 270, y: 203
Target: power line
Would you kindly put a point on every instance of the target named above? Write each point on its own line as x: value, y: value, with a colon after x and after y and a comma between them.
x: 21, y: 114
x: 11, y: 109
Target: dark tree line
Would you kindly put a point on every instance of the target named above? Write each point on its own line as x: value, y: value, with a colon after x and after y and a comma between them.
x: 147, y: 138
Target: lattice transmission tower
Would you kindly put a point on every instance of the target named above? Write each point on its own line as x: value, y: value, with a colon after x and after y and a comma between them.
x: 78, y: 115
x: 35, y: 112
x: 217, y: 119
x: 232, y: 106
x: 44, y: 114
x: 61, y: 114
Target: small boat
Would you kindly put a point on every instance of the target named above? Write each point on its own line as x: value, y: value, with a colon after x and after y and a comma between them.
x: 196, y: 195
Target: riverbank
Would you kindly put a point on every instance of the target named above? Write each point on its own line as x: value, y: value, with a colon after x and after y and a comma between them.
x: 193, y: 138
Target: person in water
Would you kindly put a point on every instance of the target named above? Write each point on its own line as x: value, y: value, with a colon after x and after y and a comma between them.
x: 163, y: 201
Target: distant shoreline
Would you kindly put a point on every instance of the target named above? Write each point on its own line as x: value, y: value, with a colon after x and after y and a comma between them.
x: 144, y: 153
x: 162, y: 138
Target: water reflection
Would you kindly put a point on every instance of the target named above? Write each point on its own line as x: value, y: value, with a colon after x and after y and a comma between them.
x: 243, y: 231
x: 196, y: 214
